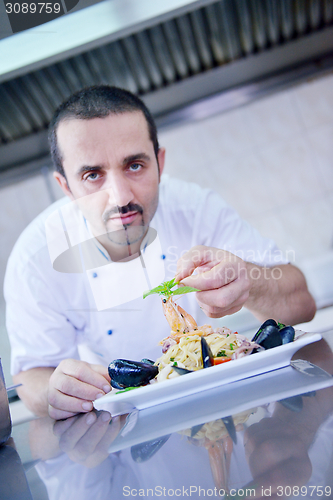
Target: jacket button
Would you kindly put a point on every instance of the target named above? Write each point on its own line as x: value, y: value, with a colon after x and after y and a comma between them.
x: 109, y: 332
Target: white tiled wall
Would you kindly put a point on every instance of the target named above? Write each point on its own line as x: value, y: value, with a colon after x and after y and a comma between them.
x: 271, y: 159
x: 20, y: 203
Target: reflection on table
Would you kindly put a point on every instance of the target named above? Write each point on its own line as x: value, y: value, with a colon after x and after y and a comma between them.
x: 284, y: 429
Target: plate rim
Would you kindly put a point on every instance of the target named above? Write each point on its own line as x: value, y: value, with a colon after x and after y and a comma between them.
x: 204, y: 376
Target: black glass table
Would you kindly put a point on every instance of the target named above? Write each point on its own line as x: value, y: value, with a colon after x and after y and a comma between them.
x: 266, y: 436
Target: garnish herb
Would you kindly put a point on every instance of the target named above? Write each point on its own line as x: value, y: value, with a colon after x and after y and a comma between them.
x: 172, y: 359
x: 166, y: 289
x: 231, y: 347
x: 127, y: 389
x: 221, y: 354
x: 175, y: 363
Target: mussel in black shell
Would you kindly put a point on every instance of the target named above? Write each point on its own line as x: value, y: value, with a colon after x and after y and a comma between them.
x: 287, y: 334
x: 269, y: 337
x: 181, y: 371
x: 125, y: 373
x: 207, y: 355
x: 272, y: 334
x: 268, y: 322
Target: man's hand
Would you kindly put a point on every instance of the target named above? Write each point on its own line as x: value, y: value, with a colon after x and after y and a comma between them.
x: 221, y: 276
x: 74, y: 385
x: 277, y: 456
x: 228, y: 283
x: 86, y: 438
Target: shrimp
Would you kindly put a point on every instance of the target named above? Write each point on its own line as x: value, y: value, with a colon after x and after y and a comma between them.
x: 219, y: 453
x: 179, y: 320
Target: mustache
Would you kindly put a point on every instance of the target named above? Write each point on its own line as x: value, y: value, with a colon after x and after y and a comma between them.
x: 131, y: 207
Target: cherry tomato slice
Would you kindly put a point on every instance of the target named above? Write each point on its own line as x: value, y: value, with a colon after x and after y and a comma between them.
x: 219, y: 361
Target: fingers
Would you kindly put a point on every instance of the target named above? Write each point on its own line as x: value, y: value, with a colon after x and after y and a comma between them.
x: 223, y: 301
x: 73, y: 386
x: 62, y: 406
x: 85, y: 434
x: 221, y: 277
x: 91, y: 374
x: 86, y: 438
x: 102, y: 370
x: 196, y: 257
x: 62, y: 426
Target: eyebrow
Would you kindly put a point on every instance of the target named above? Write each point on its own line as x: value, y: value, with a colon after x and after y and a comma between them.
x: 126, y: 161
x: 87, y: 168
x: 136, y: 157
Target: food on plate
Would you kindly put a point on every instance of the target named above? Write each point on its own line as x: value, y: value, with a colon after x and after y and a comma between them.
x: 272, y: 334
x: 190, y: 347
x: 126, y: 373
x: 201, y: 348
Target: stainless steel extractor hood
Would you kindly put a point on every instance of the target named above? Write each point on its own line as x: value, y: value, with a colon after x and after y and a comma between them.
x: 170, y: 53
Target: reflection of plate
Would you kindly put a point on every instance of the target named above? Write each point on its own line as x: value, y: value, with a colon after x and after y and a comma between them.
x: 177, y: 415
x: 202, y: 380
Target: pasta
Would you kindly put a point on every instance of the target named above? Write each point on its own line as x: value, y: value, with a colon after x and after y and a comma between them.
x: 184, y: 350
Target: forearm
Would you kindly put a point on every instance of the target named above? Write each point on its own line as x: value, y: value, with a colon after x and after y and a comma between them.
x: 34, y: 389
x: 280, y: 293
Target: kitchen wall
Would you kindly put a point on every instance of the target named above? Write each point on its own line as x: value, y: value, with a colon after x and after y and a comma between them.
x: 271, y: 159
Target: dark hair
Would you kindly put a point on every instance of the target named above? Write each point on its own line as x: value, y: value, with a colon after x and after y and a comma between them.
x: 97, y: 101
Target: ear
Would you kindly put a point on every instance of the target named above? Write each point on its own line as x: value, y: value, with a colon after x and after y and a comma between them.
x: 161, y: 159
x: 62, y: 181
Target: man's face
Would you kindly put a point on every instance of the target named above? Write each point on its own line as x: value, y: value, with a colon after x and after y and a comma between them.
x: 112, y: 173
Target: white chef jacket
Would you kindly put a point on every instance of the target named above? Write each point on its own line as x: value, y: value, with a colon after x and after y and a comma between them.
x: 52, y: 308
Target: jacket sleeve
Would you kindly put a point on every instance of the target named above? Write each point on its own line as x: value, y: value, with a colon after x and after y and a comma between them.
x: 219, y: 225
x: 41, y: 327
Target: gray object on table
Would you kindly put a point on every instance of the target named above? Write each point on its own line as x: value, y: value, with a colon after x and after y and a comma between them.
x: 5, y: 420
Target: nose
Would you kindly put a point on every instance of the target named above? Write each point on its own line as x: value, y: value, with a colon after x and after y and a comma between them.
x: 119, y: 190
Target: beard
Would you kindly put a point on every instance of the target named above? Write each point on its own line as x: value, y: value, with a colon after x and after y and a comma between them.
x: 128, y: 234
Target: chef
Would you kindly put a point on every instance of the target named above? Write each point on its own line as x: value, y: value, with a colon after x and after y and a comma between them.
x: 75, y: 278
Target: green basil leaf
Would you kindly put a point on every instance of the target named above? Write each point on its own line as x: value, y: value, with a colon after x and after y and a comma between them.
x: 166, y: 289
x: 158, y: 289
x: 184, y: 289
x: 170, y: 284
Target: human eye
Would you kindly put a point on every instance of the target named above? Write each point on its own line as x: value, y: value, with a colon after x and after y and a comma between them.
x: 92, y: 176
x: 135, y: 167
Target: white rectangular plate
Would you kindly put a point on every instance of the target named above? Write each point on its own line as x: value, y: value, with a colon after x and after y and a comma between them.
x: 202, y: 380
